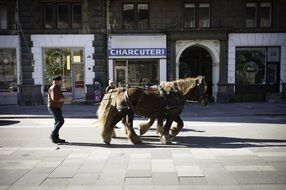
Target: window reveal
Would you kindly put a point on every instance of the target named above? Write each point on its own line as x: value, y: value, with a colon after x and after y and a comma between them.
x: 8, y: 74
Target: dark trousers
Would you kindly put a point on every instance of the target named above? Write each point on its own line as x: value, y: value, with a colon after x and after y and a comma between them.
x: 59, y: 120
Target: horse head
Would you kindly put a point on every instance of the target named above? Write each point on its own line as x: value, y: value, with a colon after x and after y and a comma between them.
x: 199, y: 93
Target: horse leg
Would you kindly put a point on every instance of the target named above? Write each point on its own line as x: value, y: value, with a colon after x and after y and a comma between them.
x: 144, y: 127
x: 124, y: 128
x: 107, y: 131
x: 160, y: 124
x: 165, y: 138
x: 175, y: 130
x: 132, y: 136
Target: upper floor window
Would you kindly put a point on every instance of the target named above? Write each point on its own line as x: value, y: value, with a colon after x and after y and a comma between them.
x: 189, y: 15
x: 204, y: 15
x: 135, y: 16
x: 251, y: 15
x: 3, y: 17
x: 265, y: 15
x: 63, y: 16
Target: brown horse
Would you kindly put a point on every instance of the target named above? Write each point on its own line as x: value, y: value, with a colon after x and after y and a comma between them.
x: 166, y: 103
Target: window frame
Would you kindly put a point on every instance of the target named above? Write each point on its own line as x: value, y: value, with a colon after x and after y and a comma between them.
x: 198, y: 7
x: 185, y: 13
x: 55, y: 15
x: 7, y: 16
x: 256, y: 14
x: 135, y: 16
x: 271, y: 10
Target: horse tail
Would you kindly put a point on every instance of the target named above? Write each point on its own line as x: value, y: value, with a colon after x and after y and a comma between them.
x: 104, y: 109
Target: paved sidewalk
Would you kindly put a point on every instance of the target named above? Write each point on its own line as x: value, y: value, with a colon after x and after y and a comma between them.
x: 190, y: 110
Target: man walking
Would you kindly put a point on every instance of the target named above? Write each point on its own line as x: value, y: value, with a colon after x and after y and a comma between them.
x: 55, y: 103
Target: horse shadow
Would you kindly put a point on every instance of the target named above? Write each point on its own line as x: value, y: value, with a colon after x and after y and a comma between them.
x: 190, y: 142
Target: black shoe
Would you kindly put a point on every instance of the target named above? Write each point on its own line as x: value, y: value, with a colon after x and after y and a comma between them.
x: 55, y: 139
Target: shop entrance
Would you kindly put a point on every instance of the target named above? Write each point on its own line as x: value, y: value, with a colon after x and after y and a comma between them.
x: 69, y: 63
x: 195, y: 61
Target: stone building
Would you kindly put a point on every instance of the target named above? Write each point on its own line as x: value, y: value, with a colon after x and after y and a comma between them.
x: 240, y: 46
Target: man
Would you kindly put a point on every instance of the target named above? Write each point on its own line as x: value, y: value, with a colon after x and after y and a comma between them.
x: 55, y: 103
x: 111, y: 85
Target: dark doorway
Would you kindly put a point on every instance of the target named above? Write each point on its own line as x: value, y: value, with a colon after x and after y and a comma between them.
x: 196, y: 61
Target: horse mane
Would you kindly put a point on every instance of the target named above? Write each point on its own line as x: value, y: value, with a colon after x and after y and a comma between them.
x: 183, y: 85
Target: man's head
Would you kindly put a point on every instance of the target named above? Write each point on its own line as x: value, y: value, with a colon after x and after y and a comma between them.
x: 111, y: 83
x: 58, y: 81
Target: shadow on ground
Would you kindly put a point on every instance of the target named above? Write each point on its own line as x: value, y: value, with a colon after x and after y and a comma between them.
x: 8, y: 122
x: 190, y: 142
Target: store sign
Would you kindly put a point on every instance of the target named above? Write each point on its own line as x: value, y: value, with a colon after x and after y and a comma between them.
x: 137, y: 52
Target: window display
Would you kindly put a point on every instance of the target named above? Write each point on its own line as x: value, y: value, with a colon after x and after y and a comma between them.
x: 8, y: 74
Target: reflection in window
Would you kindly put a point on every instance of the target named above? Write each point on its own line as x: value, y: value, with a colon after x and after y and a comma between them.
x: 251, y: 15
x: 250, y: 65
x: 8, y: 75
x: 129, y: 16
x: 189, y: 15
x: 76, y: 16
x: 143, y: 16
x: 63, y: 16
x: 265, y: 14
x: 204, y: 15
x: 3, y: 17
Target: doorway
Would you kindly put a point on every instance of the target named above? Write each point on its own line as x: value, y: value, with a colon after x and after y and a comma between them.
x: 196, y: 61
x: 69, y: 63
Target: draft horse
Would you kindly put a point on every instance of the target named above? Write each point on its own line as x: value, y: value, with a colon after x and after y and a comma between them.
x: 166, y: 103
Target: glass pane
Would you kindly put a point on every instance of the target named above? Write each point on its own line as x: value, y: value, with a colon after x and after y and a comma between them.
x: 49, y: 16
x: 129, y: 16
x: 265, y: 14
x: 272, y: 72
x: 251, y: 15
x: 3, y: 17
x: 79, y: 75
x: 120, y: 76
x: 273, y: 54
x: 141, y: 73
x: 189, y: 18
x: 76, y: 16
x: 143, y: 16
x: 57, y: 62
x: 77, y: 56
x: 204, y: 15
x: 8, y: 74
x: 250, y: 66
x: 63, y: 16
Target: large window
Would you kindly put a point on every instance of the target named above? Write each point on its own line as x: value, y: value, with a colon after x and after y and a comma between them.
x: 257, y: 65
x: 265, y: 15
x: 204, y: 15
x: 137, y: 72
x: 8, y: 74
x: 189, y: 15
x: 135, y: 16
x: 251, y: 15
x: 3, y: 17
x: 62, y: 16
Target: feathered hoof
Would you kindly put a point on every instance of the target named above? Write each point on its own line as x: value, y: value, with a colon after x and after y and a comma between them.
x: 174, y: 132
x: 135, y: 140
x: 165, y: 139
x: 107, y: 142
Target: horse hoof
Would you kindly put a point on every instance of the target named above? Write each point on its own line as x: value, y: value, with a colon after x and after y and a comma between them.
x: 136, y: 140
x: 166, y: 140
x: 107, y: 142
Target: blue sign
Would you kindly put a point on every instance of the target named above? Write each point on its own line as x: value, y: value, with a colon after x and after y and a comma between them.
x: 137, y: 52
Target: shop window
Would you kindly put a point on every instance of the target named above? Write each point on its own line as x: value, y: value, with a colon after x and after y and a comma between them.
x: 189, y: 15
x: 3, y: 17
x: 135, y: 16
x: 62, y: 16
x: 265, y: 15
x: 259, y: 65
x: 137, y: 72
x: 8, y: 74
x: 204, y: 15
x: 251, y: 15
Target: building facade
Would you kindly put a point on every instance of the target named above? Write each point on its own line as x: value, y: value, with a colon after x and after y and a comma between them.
x: 239, y: 46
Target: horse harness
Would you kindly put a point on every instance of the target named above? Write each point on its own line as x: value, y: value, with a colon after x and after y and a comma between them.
x: 164, y: 97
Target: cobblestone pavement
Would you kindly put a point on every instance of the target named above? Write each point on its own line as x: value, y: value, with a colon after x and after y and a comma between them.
x: 206, y: 155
